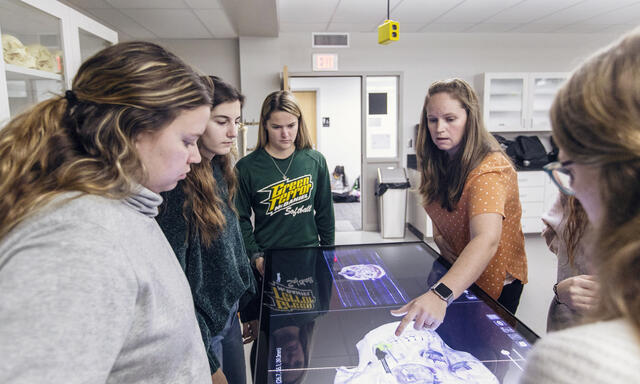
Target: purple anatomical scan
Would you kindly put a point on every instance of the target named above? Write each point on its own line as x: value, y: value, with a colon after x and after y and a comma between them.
x: 362, y: 272
x: 361, y: 279
x: 415, y: 357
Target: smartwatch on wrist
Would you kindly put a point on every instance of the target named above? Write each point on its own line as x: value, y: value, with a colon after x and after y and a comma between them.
x: 443, y: 292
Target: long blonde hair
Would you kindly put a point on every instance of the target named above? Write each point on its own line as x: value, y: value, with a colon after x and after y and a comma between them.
x: 203, y: 202
x: 442, y: 179
x: 286, y: 102
x: 85, y: 141
x: 596, y: 121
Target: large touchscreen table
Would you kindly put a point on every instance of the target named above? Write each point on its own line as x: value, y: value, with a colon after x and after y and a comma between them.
x: 325, y: 319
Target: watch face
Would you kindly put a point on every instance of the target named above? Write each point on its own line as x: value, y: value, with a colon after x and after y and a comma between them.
x: 443, y: 290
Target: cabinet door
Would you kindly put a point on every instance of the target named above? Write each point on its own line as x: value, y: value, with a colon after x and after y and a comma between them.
x: 90, y: 44
x: 542, y: 89
x: 33, y: 60
x: 531, y: 185
x: 504, y: 101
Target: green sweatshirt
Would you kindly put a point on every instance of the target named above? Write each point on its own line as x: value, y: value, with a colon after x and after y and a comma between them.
x: 297, y: 212
x: 219, y: 275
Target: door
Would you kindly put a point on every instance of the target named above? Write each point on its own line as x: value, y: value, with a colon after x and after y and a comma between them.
x: 339, y: 137
x: 542, y: 91
x: 381, y: 140
x: 307, y: 102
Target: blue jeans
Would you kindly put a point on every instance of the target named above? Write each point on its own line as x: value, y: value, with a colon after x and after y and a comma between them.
x: 228, y: 348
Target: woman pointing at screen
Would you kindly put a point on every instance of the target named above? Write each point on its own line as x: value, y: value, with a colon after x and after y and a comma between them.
x: 470, y: 190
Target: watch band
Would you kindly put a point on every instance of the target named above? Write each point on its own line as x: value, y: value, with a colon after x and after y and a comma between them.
x: 446, y: 298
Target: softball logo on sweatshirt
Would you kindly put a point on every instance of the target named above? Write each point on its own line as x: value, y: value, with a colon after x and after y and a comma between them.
x: 286, y: 193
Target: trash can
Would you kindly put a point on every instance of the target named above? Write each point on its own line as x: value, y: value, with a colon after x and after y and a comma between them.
x: 391, y: 189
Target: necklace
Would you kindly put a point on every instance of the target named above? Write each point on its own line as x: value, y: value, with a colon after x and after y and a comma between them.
x: 284, y: 174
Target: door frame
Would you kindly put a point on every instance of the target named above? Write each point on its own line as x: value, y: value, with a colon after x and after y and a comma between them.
x: 368, y: 168
x: 317, y: 91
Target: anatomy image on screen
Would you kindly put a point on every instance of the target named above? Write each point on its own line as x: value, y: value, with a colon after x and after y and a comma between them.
x: 415, y: 357
x: 362, y: 272
x: 362, y: 279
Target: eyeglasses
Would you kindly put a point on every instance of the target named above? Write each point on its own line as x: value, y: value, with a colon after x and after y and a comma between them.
x: 560, y: 175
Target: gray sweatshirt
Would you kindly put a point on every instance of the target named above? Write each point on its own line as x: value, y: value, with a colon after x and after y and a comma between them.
x: 91, y: 292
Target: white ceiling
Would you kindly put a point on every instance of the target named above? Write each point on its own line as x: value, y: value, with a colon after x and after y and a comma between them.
x: 160, y: 19
x: 194, y: 19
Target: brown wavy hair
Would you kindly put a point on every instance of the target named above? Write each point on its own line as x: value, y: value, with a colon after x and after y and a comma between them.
x: 85, y: 142
x: 286, y: 102
x: 203, y: 202
x: 596, y: 121
x: 442, y: 179
x: 576, y: 224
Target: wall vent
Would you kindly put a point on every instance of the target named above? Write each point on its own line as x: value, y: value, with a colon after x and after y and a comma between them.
x: 330, y: 40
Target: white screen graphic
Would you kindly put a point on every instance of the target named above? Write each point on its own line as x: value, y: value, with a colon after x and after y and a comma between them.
x: 415, y: 357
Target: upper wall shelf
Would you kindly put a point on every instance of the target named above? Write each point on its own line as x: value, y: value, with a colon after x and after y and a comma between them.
x: 44, y: 44
x: 518, y: 102
x: 16, y: 72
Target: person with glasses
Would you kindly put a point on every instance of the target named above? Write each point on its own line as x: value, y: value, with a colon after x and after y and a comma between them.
x: 570, y: 236
x: 596, y: 124
x: 201, y: 224
x: 470, y: 191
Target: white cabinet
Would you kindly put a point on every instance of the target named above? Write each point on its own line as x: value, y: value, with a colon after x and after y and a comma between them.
x: 416, y: 215
x: 517, y: 102
x: 537, y: 194
x: 44, y: 43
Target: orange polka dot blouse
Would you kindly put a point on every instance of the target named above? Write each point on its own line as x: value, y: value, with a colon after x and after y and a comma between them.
x: 490, y: 188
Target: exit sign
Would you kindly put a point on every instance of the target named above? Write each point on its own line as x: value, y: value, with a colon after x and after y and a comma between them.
x: 325, y: 61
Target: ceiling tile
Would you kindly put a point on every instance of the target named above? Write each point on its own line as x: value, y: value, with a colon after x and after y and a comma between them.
x: 90, y: 4
x: 352, y: 27
x: 530, y: 10
x: 123, y: 23
x: 170, y: 23
x: 360, y: 11
x: 581, y: 28
x: 302, y: 27
x: 619, y: 29
x: 421, y: 12
x: 148, y: 4
x: 204, y: 4
x: 534, y: 28
x: 583, y: 11
x: 217, y: 22
x: 492, y: 27
x: 475, y: 11
x: 410, y: 27
x: 306, y: 11
x: 624, y: 15
x: 446, y: 27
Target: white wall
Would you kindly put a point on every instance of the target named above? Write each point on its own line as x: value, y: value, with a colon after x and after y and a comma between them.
x: 422, y: 58
x: 210, y: 56
x: 338, y: 98
x: 260, y: 68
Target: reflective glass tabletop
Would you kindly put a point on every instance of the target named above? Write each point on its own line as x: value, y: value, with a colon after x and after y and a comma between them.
x: 325, y: 319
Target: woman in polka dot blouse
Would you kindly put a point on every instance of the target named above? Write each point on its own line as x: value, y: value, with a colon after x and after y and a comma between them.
x: 470, y: 191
